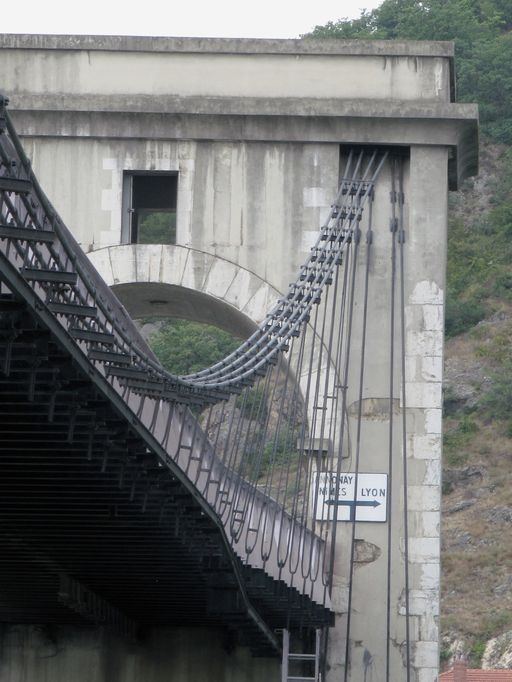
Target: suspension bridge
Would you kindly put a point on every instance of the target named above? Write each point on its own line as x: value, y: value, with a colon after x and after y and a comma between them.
x: 285, y: 497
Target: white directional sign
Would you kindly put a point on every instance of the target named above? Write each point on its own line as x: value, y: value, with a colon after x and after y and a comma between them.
x: 332, y: 491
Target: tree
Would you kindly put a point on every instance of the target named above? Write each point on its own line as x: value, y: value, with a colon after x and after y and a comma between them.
x: 185, y: 347
x: 480, y: 30
x: 157, y: 227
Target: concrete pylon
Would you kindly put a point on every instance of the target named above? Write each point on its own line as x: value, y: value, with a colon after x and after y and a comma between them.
x: 257, y: 156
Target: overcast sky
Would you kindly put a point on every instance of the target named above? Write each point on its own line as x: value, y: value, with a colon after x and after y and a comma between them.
x: 208, y: 18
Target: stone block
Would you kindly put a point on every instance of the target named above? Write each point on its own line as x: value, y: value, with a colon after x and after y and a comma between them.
x: 425, y: 655
x: 420, y: 394
x: 242, y: 288
x: 124, y: 263
x: 427, y: 292
x: 434, y: 420
x: 425, y: 447
x: 220, y: 277
x: 101, y: 261
x: 424, y: 498
x: 431, y: 368
x: 174, y: 261
x: 416, y: 471
x: 421, y: 603
x: 432, y: 472
x: 424, y: 343
x: 433, y: 317
x: 109, y: 164
x: 428, y: 674
x: 260, y: 303
x: 424, y: 524
x: 148, y: 259
x: 316, y: 197
x: 428, y: 628
x: 196, y: 270
x: 423, y: 550
x: 430, y: 576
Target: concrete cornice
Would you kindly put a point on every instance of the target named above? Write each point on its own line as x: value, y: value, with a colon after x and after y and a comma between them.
x: 220, y: 89
x: 354, y: 122
x: 305, y: 46
x: 243, y: 106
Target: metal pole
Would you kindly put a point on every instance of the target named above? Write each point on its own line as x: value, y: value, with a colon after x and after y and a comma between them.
x: 286, y: 653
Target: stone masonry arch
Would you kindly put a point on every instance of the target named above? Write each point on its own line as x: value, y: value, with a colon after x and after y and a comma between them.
x: 177, y: 281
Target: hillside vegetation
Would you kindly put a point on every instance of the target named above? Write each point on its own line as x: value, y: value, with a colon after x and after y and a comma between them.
x: 477, y: 547
x: 480, y: 30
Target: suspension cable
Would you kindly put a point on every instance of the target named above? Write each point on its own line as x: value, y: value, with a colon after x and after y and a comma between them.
x: 404, y: 425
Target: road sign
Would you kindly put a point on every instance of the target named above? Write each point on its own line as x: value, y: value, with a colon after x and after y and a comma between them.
x: 333, y: 491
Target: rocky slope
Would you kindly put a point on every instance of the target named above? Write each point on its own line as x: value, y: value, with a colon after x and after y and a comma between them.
x: 477, y: 484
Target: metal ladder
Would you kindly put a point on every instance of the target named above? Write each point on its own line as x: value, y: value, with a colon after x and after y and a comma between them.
x: 289, y: 657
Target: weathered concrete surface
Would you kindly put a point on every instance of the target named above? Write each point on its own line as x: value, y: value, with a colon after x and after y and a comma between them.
x: 68, y: 654
x: 209, y: 67
x: 254, y: 130
x: 386, y: 48
x: 244, y: 202
x: 381, y: 451
x: 290, y: 90
x: 230, y: 75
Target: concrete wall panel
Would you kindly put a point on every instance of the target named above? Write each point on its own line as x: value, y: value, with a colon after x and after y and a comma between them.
x: 68, y: 654
x: 228, y: 75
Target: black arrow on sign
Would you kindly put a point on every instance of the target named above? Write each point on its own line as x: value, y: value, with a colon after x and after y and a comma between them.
x: 353, y: 504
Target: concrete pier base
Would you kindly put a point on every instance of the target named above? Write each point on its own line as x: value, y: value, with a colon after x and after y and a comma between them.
x: 49, y: 653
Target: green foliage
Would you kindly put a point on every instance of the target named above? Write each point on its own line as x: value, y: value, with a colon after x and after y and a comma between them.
x: 498, y: 349
x: 445, y: 655
x: 461, y: 315
x: 476, y: 653
x: 503, y: 285
x: 184, y: 347
x: 446, y: 488
x: 456, y: 440
x: 467, y: 426
x: 468, y: 268
x: 497, y: 402
x: 253, y: 403
x: 451, y: 403
x: 495, y: 623
x: 266, y: 451
x: 501, y: 213
x: 157, y: 227
x: 479, y: 255
x: 280, y: 448
x: 483, y: 43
